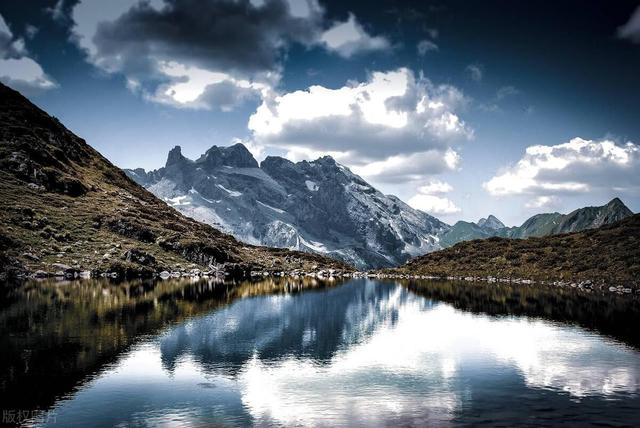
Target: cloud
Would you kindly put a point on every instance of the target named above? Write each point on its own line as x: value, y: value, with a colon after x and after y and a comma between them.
x: 430, y: 199
x: 475, y: 72
x: 349, y: 37
x: 631, y: 30
x: 147, y: 41
x: 58, y: 11
x: 506, y: 91
x: 232, y: 36
x: 577, y: 166
x: 202, y: 89
x: 194, y: 54
x: 30, y: 31
x: 425, y: 46
x: 435, y: 187
x: 405, y: 168
x: 393, y: 125
x: 543, y: 202
x: 436, y: 205
x: 17, y: 68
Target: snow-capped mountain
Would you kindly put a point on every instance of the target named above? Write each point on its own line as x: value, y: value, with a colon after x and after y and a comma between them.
x: 318, y: 206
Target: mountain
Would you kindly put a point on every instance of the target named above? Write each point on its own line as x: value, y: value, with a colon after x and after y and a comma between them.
x: 467, y: 231
x: 464, y: 231
x: 490, y: 222
x: 68, y: 209
x: 608, y: 255
x: 538, y: 225
x: 318, y: 206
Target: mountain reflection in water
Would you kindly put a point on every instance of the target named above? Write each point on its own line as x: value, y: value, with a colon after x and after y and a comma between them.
x: 361, y: 353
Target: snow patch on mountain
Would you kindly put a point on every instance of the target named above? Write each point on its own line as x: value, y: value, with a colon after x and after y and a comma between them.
x: 230, y: 192
x: 278, y: 210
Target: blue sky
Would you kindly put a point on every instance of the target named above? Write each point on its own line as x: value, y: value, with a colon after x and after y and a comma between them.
x: 463, y: 109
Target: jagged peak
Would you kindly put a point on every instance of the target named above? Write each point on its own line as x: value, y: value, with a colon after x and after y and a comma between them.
x: 275, y: 160
x: 236, y: 155
x: 174, y: 156
x: 326, y: 160
x: 616, y: 202
x: 491, y: 222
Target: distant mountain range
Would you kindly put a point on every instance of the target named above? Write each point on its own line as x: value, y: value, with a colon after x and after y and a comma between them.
x: 318, y: 206
x: 538, y: 225
x: 322, y: 207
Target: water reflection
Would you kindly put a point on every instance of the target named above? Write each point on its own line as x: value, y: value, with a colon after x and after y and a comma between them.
x: 54, y: 335
x: 313, y: 324
x: 363, y: 353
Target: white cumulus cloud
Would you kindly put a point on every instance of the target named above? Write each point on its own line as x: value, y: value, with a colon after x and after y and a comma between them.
x: 393, y: 126
x: 543, y: 202
x: 576, y: 166
x: 202, y: 89
x: 435, y: 205
x: 435, y: 186
x: 430, y: 198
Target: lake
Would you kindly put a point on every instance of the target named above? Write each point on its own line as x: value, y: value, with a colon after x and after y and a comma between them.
x: 306, y: 352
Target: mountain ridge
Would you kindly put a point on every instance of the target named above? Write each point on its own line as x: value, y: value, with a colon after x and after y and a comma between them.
x: 538, y: 225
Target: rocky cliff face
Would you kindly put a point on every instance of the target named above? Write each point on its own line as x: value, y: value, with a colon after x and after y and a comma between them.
x: 318, y: 206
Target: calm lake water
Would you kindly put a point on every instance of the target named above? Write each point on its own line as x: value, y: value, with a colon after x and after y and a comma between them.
x: 311, y: 353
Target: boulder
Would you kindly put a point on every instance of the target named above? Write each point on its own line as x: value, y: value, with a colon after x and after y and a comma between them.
x: 140, y: 257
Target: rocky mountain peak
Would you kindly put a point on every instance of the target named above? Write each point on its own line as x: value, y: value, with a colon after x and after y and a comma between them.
x: 326, y: 160
x: 617, y: 204
x: 491, y: 222
x: 276, y: 164
x: 235, y: 156
x: 175, y: 156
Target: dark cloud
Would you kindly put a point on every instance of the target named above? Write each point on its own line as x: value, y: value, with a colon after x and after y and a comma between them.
x: 230, y: 35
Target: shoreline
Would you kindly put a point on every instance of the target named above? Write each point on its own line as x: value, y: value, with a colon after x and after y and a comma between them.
x: 233, y: 272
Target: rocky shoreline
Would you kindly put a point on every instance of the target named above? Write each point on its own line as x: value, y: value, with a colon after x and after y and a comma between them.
x: 240, y: 271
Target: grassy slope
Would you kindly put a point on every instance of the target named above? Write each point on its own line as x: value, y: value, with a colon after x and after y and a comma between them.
x: 610, y: 254
x: 62, y: 202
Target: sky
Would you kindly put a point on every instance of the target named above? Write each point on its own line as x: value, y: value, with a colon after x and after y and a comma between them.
x: 462, y: 109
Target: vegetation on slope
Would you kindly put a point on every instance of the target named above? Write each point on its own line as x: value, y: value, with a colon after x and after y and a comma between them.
x: 610, y: 255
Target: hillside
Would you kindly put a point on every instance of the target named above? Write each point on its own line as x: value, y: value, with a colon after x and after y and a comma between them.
x: 610, y: 255
x: 68, y: 209
x: 539, y: 225
x: 318, y: 206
